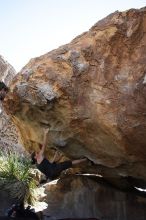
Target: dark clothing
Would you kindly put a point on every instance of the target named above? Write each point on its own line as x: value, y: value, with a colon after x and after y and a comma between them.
x: 53, y: 170
x: 17, y: 211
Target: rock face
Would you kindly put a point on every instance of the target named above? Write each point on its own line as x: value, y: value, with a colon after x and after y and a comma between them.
x: 81, y: 197
x: 7, y: 72
x: 91, y: 93
x: 8, y: 132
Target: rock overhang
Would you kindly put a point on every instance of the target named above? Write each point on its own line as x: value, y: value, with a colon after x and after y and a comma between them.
x: 91, y: 94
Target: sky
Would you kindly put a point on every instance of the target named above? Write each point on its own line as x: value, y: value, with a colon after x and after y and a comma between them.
x: 31, y: 28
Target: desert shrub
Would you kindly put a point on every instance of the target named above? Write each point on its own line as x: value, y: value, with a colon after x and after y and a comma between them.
x: 15, y: 176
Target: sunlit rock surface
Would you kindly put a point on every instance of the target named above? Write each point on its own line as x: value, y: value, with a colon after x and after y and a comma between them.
x: 91, y: 94
x: 9, y: 136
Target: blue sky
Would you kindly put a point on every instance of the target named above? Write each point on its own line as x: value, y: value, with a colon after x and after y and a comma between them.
x: 30, y: 28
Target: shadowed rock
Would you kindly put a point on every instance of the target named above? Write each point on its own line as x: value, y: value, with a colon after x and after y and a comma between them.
x: 83, y: 197
x: 17, y: 218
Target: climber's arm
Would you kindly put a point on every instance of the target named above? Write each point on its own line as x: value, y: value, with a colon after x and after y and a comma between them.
x: 44, y: 141
x: 79, y: 161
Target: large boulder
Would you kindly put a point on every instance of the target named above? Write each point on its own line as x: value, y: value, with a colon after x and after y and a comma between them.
x: 91, y: 94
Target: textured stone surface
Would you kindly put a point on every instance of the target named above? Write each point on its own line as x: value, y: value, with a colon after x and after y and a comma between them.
x: 81, y: 197
x: 9, y: 137
x: 91, y: 93
x: 7, y: 72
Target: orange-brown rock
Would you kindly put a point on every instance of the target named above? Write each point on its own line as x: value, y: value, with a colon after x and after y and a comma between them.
x: 91, y: 93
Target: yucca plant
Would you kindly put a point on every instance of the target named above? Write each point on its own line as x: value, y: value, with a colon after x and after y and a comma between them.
x: 15, y: 176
